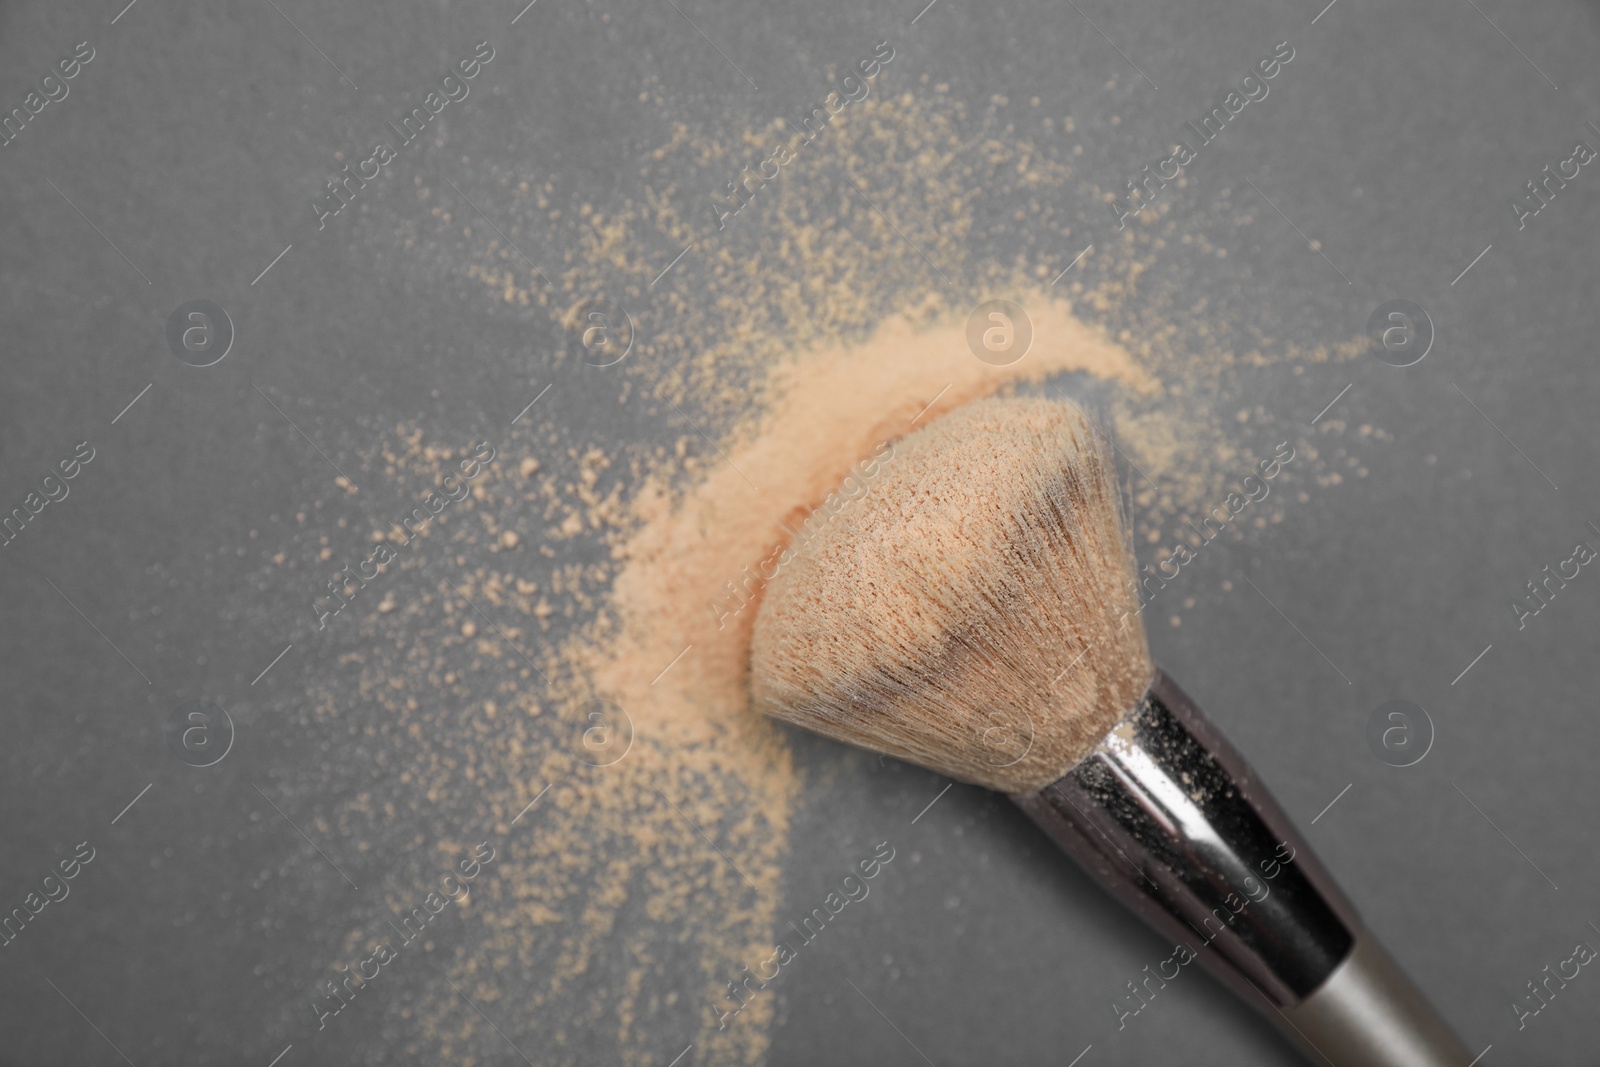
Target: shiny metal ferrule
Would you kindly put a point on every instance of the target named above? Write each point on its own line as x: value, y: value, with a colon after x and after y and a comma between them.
x: 1169, y: 817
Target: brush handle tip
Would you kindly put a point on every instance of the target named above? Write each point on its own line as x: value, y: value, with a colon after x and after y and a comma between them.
x: 1368, y: 1012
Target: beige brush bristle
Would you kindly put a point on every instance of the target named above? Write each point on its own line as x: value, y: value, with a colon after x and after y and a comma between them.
x: 971, y: 610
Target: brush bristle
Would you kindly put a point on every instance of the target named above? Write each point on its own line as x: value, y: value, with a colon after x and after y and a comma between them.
x: 971, y: 610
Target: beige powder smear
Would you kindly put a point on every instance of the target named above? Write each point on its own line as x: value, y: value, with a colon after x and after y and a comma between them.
x: 674, y: 592
x: 836, y: 406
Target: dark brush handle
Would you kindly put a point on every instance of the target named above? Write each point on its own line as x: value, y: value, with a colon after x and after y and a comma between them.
x: 1169, y: 817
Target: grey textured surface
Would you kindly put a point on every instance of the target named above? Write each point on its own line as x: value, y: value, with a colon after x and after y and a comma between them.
x: 192, y: 142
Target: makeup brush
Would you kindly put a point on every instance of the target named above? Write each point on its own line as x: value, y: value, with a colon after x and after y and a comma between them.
x: 973, y: 610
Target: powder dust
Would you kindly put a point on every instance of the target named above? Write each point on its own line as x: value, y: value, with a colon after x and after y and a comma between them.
x: 918, y: 205
x: 567, y: 613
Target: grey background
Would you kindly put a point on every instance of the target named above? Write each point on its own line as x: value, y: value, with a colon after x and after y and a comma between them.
x: 192, y: 141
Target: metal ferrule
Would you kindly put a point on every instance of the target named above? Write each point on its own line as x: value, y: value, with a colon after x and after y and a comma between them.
x: 1167, y: 815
